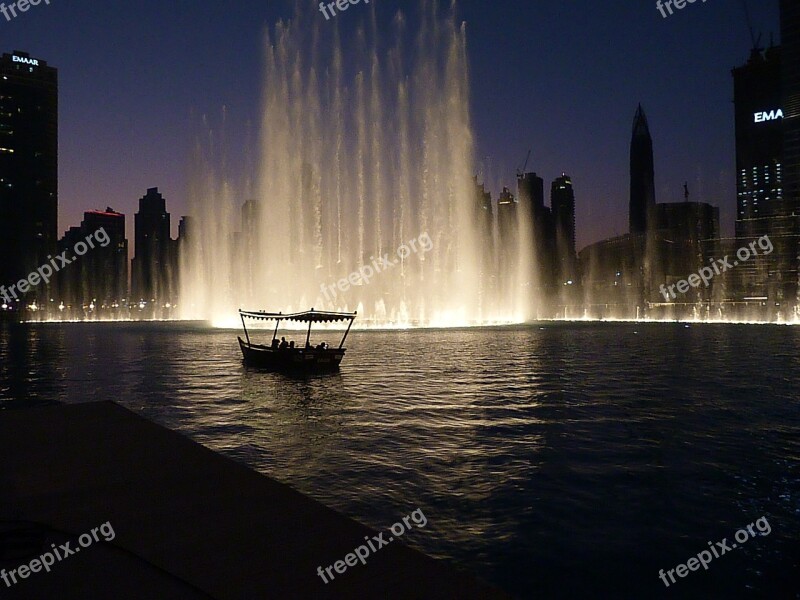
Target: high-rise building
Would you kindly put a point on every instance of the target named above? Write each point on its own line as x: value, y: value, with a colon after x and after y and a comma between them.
x: 185, y: 226
x: 507, y: 215
x: 666, y: 241
x: 483, y: 202
x: 483, y: 206
x: 642, y: 172
x: 759, y: 141
x: 154, y: 260
x: 764, y: 204
x: 99, y: 278
x: 28, y: 166
x: 184, y: 245
x: 530, y: 192
x: 696, y: 221
x: 562, y: 203
x: 70, y: 281
x: 107, y: 267
x: 790, y: 45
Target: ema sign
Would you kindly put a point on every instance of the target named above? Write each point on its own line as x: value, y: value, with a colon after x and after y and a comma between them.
x: 26, y: 61
x: 772, y: 115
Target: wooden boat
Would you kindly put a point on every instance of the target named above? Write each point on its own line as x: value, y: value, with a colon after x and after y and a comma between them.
x: 282, y: 357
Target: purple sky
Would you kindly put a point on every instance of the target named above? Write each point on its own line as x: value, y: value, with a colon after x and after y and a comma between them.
x: 562, y: 78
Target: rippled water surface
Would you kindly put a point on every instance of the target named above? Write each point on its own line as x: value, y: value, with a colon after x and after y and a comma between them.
x: 555, y: 460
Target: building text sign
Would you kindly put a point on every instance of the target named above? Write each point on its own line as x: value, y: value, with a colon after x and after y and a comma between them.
x: 772, y: 115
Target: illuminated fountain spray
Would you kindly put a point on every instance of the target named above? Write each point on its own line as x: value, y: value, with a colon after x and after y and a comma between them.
x: 362, y: 150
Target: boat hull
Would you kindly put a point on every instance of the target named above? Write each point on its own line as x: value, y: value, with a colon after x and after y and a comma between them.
x: 293, y: 359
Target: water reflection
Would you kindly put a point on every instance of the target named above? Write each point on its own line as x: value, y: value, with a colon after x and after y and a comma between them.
x: 603, y: 450
x: 31, y: 366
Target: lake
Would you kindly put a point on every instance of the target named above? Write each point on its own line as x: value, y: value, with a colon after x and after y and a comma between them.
x: 553, y: 459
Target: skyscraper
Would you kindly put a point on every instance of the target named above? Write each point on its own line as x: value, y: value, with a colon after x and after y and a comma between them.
x: 508, y: 230
x: 562, y: 203
x: 28, y: 165
x: 107, y: 267
x: 759, y: 142
x: 764, y: 202
x: 153, y: 264
x: 530, y: 192
x: 99, y: 278
x: 643, y: 189
x: 483, y: 205
x: 790, y: 45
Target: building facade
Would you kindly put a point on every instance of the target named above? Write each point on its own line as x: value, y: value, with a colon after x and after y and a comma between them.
x: 790, y: 82
x: 28, y: 167
x: 154, y: 265
x: 95, y: 284
x: 765, y: 206
x: 562, y: 203
x: 790, y: 76
x: 530, y: 195
x: 107, y: 266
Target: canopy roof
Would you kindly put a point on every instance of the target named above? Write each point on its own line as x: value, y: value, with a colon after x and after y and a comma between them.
x: 311, y: 316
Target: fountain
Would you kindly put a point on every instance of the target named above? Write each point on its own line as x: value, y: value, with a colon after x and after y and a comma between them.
x: 364, y: 148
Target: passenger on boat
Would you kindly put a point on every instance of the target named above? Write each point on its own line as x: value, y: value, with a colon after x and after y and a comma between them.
x: 291, y: 345
x: 275, y: 343
x: 284, y: 344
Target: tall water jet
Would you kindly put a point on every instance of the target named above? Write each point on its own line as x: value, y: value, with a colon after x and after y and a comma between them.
x: 363, y: 150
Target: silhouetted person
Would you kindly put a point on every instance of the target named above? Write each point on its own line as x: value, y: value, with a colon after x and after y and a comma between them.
x: 291, y: 345
x: 284, y: 344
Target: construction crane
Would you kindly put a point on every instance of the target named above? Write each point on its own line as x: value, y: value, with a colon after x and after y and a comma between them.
x: 521, y: 172
x: 755, y: 40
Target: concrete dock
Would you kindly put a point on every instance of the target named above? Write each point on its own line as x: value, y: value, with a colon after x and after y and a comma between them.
x: 187, y: 522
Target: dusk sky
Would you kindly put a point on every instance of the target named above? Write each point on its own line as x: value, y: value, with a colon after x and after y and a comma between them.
x: 563, y: 79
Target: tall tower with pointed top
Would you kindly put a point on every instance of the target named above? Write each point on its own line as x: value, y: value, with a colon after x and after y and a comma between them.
x: 643, y: 189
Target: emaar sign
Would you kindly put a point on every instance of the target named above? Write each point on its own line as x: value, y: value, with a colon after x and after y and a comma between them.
x: 773, y: 115
x: 26, y: 61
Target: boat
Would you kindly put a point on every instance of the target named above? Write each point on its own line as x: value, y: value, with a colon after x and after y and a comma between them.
x: 288, y: 358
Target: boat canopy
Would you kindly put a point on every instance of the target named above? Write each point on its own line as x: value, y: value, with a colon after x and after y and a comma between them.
x: 311, y: 316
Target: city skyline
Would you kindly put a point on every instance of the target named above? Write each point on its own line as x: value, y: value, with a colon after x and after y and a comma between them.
x: 544, y: 117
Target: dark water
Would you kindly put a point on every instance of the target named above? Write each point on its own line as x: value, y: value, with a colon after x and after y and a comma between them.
x: 558, y: 460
